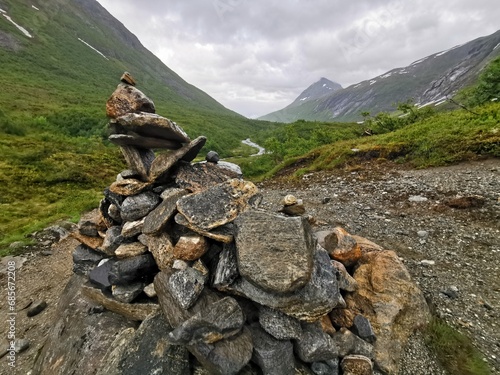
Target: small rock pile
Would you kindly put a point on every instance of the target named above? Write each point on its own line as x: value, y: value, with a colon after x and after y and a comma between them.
x: 239, y: 288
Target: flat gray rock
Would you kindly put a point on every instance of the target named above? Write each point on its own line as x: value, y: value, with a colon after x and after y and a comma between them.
x: 133, y: 139
x: 274, y: 252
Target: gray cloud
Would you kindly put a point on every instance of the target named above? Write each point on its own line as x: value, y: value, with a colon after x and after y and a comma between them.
x: 257, y: 56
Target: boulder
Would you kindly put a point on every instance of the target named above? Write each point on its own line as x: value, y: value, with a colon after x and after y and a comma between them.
x: 274, y: 252
x: 127, y: 98
x: 99, y: 276
x: 217, y: 205
x: 391, y: 301
x: 137, y: 206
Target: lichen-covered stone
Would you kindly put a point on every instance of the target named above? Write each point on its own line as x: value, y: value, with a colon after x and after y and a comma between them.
x: 200, y: 176
x: 186, y: 286
x: 278, y: 324
x: 127, y: 98
x: 161, y: 248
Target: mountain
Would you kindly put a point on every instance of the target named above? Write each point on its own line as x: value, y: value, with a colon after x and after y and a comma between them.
x: 428, y: 81
x: 62, y: 59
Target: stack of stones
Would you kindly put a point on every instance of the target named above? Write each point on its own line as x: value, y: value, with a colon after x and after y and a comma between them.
x: 242, y: 289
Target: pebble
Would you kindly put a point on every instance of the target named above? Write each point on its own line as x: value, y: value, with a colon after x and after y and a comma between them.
x: 36, y: 308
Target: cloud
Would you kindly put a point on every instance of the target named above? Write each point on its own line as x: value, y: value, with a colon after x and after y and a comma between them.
x: 257, y: 56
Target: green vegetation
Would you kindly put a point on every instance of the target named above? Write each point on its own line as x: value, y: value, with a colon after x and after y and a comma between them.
x: 454, y: 350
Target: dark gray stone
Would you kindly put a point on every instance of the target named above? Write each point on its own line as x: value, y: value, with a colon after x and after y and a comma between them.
x: 99, y: 276
x: 88, y: 224
x: 200, y: 176
x: 212, y: 157
x: 220, y: 320
x: 36, y: 308
x: 129, y: 173
x: 330, y: 367
x: 147, y: 351
x: 227, y: 267
x: 217, y: 205
x: 138, y: 159
x: 127, y: 293
x: 134, y: 139
x: 348, y: 343
x: 113, y: 198
x: 317, y: 298
x: 112, y: 240
x: 275, y: 252
x: 362, y: 327
x: 85, y: 259
x: 139, y: 268
x: 346, y: 281
x: 274, y: 357
x: 278, y: 324
x: 314, y: 345
x: 114, y: 213
x: 137, y: 206
x: 157, y: 220
x: 186, y: 286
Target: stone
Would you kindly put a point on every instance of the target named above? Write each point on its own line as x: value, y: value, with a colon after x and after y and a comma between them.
x: 112, y: 240
x: 232, y: 168
x: 132, y: 228
x: 226, y: 356
x: 362, y: 327
x: 113, y: 198
x: 127, y: 293
x: 127, y: 78
x: 114, y: 213
x: 126, y: 174
x: 99, y: 276
x: 36, y: 308
x: 162, y: 249
x: 220, y: 320
x: 294, y: 209
x: 150, y: 291
x: 317, y: 298
x: 85, y: 259
x: 289, y: 200
x: 227, y: 267
x: 278, y: 324
x: 274, y: 357
x: 138, y: 159
x: 104, y: 218
x: 138, y: 206
x: 89, y: 224
x: 342, y: 247
x: 342, y: 317
x: 156, y: 221
x: 152, y: 125
x: 212, y: 157
x: 77, y: 339
x: 218, y: 205
x: 327, y: 325
x: 451, y: 292
x: 128, y: 250
x: 392, y: 303
x: 330, y: 367
x: 148, y: 342
x: 138, y: 268
x: 127, y: 98
x: 417, y: 199
x: 162, y: 165
x: 200, y: 176
x: 346, y: 281
x: 133, y: 311
x: 92, y: 242
x: 349, y: 343
x: 190, y: 247
x: 133, y: 139
x: 127, y: 187
x: 186, y: 286
x: 460, y: 202
x: 314, y: 345
x: 275, y: 253
x: 356, y: 365
x: 366, y: 245
x: 224, y: 233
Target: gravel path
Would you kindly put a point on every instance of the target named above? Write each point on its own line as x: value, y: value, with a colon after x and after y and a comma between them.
x: 453, y: 254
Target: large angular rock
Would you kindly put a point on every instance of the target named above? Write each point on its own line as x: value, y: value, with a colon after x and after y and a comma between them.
x: 200, y: 176
x: 274, y: 357
x: 317, y: 298
x: 85, y: 259
x: 217, y: 205
x: 78, y: 339
x: 138, y: 159
x: 220, y: 320
x: 393, y: 304
x: 146, y: 351
x: 163, y: 163
x: 137, y: 206
x: 127, y: 98
x: 133, y: 139
x: 278, y: 324
x: 161, y: 248
x: 314, y: 345
x: 226, y: 356
x: 274, y: 252
x: 139, y: 268
x: 342, y: 247
x: 152, y: 125
x: 99, y: 276
x: 157, y: 220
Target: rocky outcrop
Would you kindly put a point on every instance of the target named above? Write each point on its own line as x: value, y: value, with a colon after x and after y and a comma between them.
x: 239, y: 288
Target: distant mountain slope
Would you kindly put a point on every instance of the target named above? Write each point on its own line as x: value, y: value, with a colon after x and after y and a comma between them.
x: 68, y: 55
x: 428, y: 81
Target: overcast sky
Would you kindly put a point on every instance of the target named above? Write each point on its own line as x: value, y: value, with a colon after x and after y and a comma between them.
x: 257, y: 56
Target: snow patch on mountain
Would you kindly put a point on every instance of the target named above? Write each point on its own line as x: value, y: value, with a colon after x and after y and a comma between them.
x: 22, y: 29
x: 96, y: 50
x: 448, y: 50
x: 34, y: 7
x: 2, y: 11
x: 498, y: 45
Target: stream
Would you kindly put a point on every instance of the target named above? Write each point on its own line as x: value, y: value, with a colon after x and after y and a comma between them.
x: 261, y: 149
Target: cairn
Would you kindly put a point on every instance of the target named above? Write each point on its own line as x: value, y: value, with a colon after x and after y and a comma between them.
x: 185, y: 248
